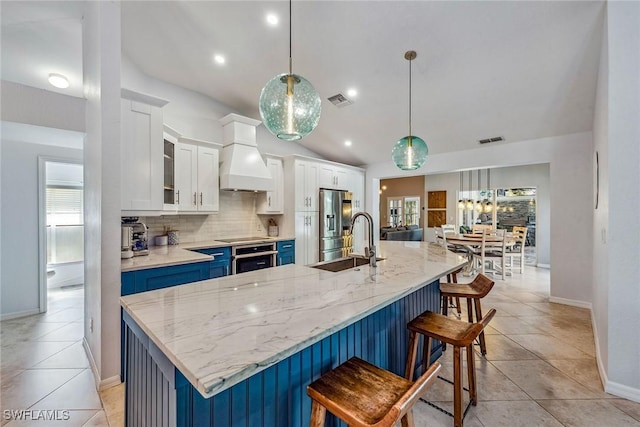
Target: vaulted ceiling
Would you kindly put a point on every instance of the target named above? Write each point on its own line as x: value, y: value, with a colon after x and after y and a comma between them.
x: 520, y: 70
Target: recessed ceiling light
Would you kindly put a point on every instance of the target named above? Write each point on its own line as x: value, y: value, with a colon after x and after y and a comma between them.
x: 58, y: 80
x: 347, y: 143
x: 352, y: 92
x: 219, y: 59
x: 272, y: 19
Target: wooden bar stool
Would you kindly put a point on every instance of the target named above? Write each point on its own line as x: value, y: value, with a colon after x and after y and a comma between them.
x: 453, y: 278
x: 363, y: 395
x: 476, y: 290
x: 460, y: 335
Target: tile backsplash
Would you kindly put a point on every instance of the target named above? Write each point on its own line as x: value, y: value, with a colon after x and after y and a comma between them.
x: 237, y: 217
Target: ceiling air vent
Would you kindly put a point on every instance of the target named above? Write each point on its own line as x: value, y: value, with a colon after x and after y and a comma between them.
x: 488, y: 140
x: 340, y: 100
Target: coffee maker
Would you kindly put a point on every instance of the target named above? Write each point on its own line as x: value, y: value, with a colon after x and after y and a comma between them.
x: 134, y: 237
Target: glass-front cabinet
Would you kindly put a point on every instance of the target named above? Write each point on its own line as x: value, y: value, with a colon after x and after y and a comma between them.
x: 171, y: 194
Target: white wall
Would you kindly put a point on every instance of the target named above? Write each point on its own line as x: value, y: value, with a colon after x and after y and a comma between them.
x: 508, y: 177
x: 19, y: 240
x: 101, y: 60
x: 196, y: 115
x: 25, y: 104
x: 571, y: 210
x: 623, y: 236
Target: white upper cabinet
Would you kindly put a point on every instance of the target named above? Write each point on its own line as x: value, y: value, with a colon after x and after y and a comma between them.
x: 333, y: 177
x: 306, y: 186
x: 196, y: 171
x: 169, y: 185
x: 272, y: 202
x: 356, y: 186
x: 141, y: 153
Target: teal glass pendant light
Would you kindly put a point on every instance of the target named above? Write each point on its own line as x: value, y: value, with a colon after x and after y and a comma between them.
x: 289, y: 105
x: 410, y: 152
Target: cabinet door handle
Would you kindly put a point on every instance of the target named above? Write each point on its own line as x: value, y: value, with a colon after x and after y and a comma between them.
x: 195, y: 199
x: 201, y: 198
x: 269, y: 201
x: 218, y: 254
x: 286, y: 246
x: 178, y: 197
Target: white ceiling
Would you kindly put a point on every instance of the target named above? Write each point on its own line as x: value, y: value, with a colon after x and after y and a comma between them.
x: 521, y: 70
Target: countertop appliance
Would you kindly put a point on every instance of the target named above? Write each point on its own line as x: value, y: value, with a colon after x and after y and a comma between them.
x: 335, y: 219
x: 125, y: 241
x: 137, y: 234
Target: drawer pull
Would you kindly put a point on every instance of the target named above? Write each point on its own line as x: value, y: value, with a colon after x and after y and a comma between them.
x: 286, y: 246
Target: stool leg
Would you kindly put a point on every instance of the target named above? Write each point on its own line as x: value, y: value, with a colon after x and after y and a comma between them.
x: 445, y: 312
x: 318, y: 413
x: 454, y: 276
x: 471, y: 372
x: 411, y: 357
x: 457, y: 387
x: 483, y: 344
x: 407, y: 420
x: 426, y: 354
x: 469, y: 310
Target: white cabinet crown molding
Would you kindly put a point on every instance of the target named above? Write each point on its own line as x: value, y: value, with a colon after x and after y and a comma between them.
x: 143, y: 97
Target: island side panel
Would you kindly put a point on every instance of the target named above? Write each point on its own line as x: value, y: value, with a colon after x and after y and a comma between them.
x: 276, y: 396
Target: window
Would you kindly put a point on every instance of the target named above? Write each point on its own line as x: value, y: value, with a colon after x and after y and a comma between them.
x: 65, y: 225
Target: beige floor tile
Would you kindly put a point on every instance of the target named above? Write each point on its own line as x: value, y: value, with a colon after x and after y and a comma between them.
x: 27, y: 388
x: 583, y: 371
x: 75, y: 419
x: 628, y: 407
x: 499, y: 347
x: 514, y: 325
x: 540, y: 380
x: 528, y: 297
x: 491, y: 383
x: 113, y: 404
x: 512, y: 309
x: 79, y: 393
x: 73, y: 356
x: 72, y: 331
x: 65, y: 315
x: 579, y: 413
x: 583, y: 341
x: 98, y: 420
x: 13, y: 331
x: 515, y: 414
x: 25, y: 354
x: 547, y: 347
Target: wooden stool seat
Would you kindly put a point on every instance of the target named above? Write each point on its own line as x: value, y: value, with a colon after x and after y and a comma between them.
x: 445, y: 329
x: 460, y: 335
x: 474, y: 291
x: 363, y: 395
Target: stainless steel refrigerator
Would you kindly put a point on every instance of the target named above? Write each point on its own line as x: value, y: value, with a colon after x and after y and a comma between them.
x: 335, y: 220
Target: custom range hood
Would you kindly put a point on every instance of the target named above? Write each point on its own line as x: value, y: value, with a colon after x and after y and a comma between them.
x: 242, y: 167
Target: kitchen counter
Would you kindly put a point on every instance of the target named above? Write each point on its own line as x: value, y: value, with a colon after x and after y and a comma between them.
x: 220, y: 332
x: 164, y: 256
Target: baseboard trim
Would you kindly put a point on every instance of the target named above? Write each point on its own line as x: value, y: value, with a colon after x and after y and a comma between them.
x: 19, y: 314
x: 92, y: 363
x: 622, y: 390
x: 571, y: 302
x: 601, y: 370
x: 547, y: 266
x: 100, y: 383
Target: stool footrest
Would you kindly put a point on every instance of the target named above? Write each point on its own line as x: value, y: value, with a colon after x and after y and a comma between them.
x: 444, y: 411
x: 447, y: 380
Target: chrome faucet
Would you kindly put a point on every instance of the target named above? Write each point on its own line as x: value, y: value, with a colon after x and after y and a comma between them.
x: 370, y: 252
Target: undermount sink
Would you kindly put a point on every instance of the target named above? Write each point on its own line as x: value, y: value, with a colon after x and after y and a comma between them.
x: 343, y: 264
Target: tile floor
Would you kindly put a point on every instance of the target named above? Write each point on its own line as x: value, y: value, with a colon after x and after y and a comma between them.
x: 540, y: 368
x: 43, y: 365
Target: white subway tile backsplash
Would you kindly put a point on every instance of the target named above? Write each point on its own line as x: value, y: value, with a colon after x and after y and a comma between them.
x: 237, y: 217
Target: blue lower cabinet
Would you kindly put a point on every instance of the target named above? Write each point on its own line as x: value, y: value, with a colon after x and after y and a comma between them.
x: 220, y: 265
x: 133, y: 282
x: 286, y: 252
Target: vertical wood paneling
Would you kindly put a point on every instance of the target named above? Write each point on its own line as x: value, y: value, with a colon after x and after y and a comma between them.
x: 275, y: 397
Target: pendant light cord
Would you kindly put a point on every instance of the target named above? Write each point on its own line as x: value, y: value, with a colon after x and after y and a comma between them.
x: 410, y: 99
x: 290, y: 24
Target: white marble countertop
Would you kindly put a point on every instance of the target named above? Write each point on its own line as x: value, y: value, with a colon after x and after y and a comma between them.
x: 219, y: 332
x: 164, y: 256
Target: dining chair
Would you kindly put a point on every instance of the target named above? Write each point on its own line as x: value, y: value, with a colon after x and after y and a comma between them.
x: 519, y: 236
x: 492, y: 250
x: 480, y: 228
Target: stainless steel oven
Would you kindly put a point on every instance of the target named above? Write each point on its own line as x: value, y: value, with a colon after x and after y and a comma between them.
x: 253, y: 257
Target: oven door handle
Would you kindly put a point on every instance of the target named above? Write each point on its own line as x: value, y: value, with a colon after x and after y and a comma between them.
x: 255, y: 254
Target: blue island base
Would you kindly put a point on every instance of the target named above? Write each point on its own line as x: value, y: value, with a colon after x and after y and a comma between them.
x: 157, y: 394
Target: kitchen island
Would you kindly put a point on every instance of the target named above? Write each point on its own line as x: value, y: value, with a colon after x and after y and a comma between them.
x: 240, y: 350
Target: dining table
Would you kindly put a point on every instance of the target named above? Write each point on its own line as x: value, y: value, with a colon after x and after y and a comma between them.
x: 471, y: 243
